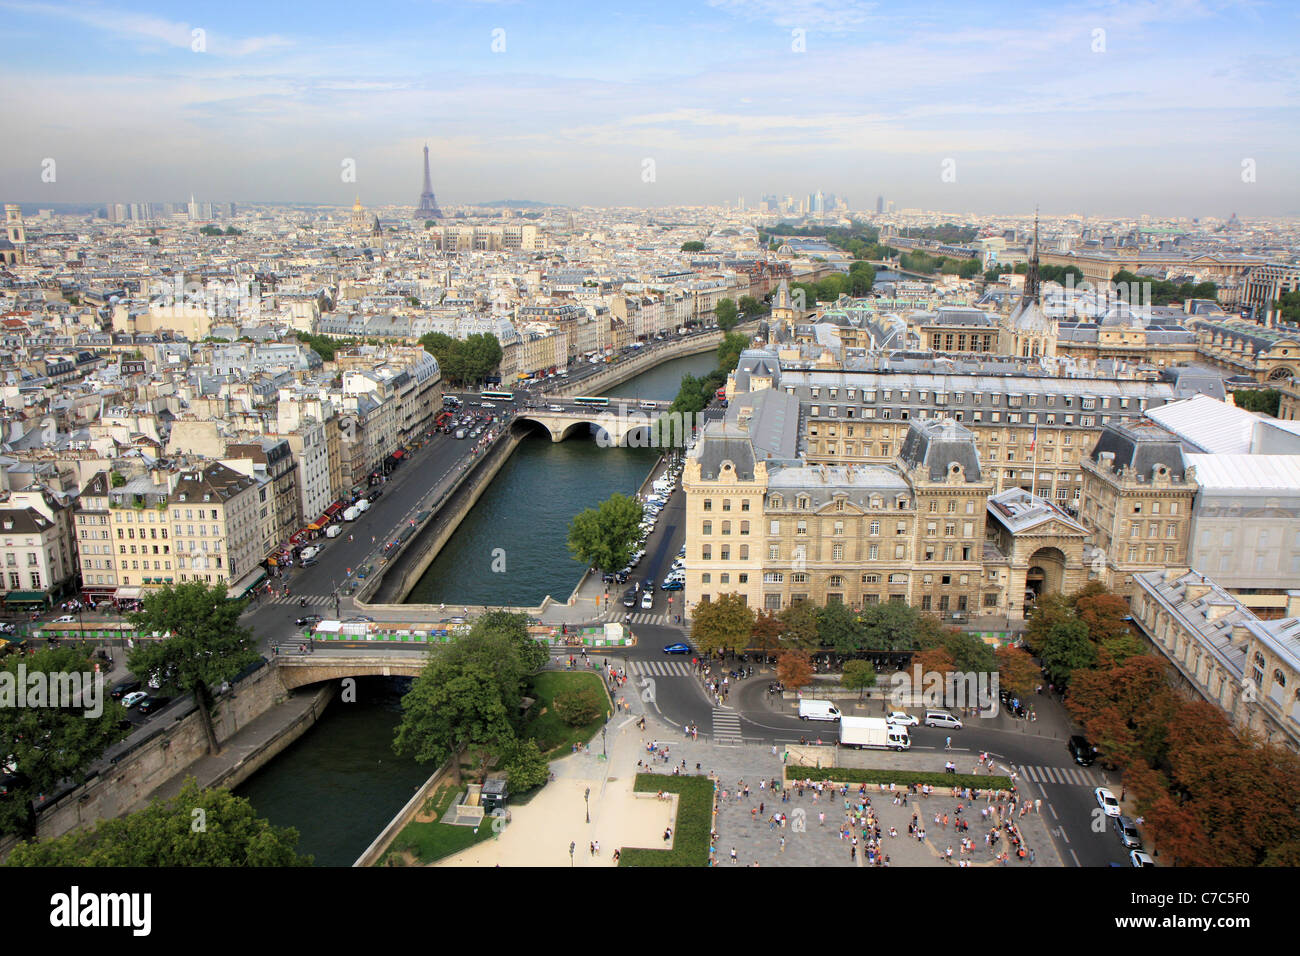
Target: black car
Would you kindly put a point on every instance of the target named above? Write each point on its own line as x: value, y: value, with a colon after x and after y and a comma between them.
x: 122, y: 689
x: 307, y: 620
x: 376, y: 494
x: 1082, y: 751
x: 151, y: 703
x: 630, y: 597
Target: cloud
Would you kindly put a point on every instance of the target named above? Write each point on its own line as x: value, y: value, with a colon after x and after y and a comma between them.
x: 138, y: 26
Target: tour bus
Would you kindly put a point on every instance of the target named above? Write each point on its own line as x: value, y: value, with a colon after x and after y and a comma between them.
x: 593, y: 401
x: 498, y: 396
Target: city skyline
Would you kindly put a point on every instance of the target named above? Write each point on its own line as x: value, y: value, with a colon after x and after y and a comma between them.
x: 959, y: 108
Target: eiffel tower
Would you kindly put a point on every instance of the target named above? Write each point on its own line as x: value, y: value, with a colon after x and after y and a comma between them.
x: 428, y: 208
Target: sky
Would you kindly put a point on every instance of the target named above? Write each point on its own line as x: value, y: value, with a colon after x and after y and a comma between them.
x: 1163, y: 107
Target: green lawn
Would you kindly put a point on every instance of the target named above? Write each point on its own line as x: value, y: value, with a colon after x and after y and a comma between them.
x: 545, y: 726
x: 432, y: 841
x: 694, y: 822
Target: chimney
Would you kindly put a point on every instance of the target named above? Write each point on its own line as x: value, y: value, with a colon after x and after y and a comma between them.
x: 1196, y: 590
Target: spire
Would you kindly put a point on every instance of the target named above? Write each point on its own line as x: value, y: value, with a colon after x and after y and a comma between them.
x: 1031, y: 278
x: 428, y: 207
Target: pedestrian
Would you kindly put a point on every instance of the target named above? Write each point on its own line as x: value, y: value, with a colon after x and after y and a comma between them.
x: 947, y: 743
x: 733, y: 855
x: 593, y: 848
x: 597, y: 848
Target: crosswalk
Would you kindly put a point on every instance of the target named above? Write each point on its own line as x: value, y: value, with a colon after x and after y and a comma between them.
x: 726, y: 728
x: 661, y: 620
x: 1075, y: 776
x: 659, y: 668
x: 313, y: 600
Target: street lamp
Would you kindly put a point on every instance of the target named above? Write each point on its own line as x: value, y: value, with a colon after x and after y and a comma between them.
x: 602, y: 742
x: 572, y: 845
x: 587, y: 799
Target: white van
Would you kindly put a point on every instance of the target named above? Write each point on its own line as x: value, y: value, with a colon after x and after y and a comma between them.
x: 818, y: 710
x: 363, y: 505
x: 333, y: 531
x: 941, y: 718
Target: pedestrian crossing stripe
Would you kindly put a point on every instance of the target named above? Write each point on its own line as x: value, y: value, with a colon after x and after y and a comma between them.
x: 313, y: 600
x: 645, y: 618
x: 726, y: 727
x: 1074, y: 776
x: 659, y: 668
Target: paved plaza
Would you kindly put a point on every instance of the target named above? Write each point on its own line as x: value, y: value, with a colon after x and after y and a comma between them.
x: 771, y: 826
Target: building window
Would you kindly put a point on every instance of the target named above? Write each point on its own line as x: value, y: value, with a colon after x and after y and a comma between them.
x: 707, y: 528
x: 708, y: 505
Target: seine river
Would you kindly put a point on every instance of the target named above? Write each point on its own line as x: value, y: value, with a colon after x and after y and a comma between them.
x: 340, y: 783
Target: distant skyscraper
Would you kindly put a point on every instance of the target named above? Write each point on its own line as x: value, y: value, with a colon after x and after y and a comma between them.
x: 880, y: 205
x: 428, y: 208
x: 740, y: 204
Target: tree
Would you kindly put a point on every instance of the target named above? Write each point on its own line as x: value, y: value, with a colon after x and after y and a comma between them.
x: 693, y: 246
x: 859, y: 675
x: 44, y: 743
x: 794, y: 670
x: 890, y: 626
x: 1124, y: 710
x: 1103, y: 614
x: 839, y: 627
x: 1265, y: 400
x: 1017, y: 671
x: 799, y: 626
x: 525, y: 766
x: 1047, y: 613
x: 451, y: 706
x: 1066, y: 650
x: 969, y: 654
x: 206, y: 647
x: 750, y: 307
x: 729, y: 349
x: 603, y: 537
x: 724, y: 624
x: 197, y: 827
x: 766, y: 633
x: 725, y: 314
x: 579, y: 706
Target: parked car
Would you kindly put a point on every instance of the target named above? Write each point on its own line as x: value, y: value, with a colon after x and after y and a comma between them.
x: 674, y: 584
x: 65, y: 619
x: 1127, y: 832
x: 359, y: 619
x: 151, y: 703
x: 123, y: 688
x: 133, y: 698
x: 1106, y: 800
x: 902, y: 718
x: 1140, y: 858
x: 941, y: 718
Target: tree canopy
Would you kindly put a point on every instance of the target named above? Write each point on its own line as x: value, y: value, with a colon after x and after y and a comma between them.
x: 197, y: 827
x: 207, y: 645
x: 466, y: 361
x: 603, y: 537
x: 48, y: 745
x: 725, y: 623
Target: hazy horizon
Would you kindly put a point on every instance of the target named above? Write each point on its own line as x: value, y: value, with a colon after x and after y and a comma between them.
x: 1032, y: 106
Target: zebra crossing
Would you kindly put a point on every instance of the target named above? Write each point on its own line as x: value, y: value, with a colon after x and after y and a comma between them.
x: 661, y: 620
x: 1073, y: 776
x: 726, y: 728
x: 659, y: 668
x: 313, y: 600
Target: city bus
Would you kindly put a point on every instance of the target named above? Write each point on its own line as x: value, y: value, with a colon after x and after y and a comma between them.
x: 498, y: 396
x: 593, y: 401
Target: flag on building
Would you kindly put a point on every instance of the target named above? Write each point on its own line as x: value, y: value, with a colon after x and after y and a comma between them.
x: 1034, y: 441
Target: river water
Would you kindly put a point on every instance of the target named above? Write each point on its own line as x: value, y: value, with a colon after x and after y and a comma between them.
x: 340, y: 783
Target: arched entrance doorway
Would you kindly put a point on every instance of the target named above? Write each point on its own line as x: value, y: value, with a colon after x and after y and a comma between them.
x: 1046, y: 575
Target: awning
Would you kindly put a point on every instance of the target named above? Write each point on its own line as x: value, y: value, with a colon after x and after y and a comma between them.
x: 25, y: 597
x: 127, y: 594
x: 335, y: 508
x: 399, y: 454
x: 247, y: 583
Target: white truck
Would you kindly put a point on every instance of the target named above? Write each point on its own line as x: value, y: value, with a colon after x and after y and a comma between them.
x: 333, y: 531
x: 873, y: 733
x: 363, y: 504
x: 350, y: 514
x: 818, y: 710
